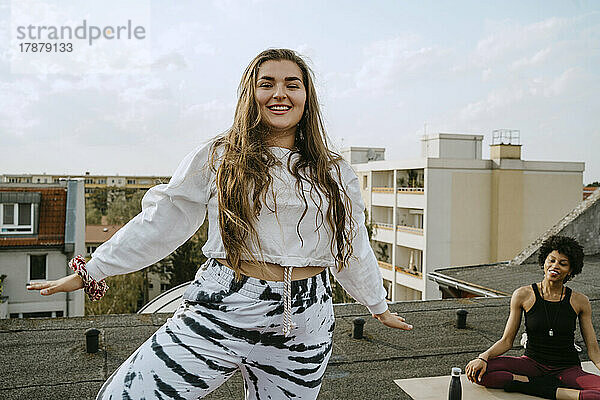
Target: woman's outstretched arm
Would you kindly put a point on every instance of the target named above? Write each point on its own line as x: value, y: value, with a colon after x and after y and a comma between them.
x: 171, y: 214
x: 476, y: 367
x: 361, y: 278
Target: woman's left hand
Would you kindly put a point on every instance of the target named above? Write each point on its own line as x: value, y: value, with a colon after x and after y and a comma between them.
x: 393, y: 320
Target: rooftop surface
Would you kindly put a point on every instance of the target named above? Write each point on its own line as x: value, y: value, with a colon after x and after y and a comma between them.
x: 100, y: 233
x: 505, y: 278
x: 46, y: 358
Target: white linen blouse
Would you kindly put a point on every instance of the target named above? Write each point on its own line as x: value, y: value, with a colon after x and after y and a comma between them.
x: 173, y: 212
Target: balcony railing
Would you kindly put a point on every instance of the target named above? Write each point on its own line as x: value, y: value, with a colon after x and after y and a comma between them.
x: 405, y: 190
x: 401, y: 228
x: 404, y: 270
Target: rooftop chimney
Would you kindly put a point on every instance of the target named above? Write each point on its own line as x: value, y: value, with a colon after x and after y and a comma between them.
x: 506, y: 144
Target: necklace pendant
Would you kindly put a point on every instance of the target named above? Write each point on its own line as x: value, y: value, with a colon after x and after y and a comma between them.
x: 551, y: 332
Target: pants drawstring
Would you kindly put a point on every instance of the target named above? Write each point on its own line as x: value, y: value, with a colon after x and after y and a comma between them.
x: 288, y: 325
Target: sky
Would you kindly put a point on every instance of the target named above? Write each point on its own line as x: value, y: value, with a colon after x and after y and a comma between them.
x: 386, y: 73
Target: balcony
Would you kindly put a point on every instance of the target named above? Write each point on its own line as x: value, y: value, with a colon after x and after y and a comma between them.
x: 405, y: 235
x: 404, y: 276
x: 410, y: 197
x: 404, y: 270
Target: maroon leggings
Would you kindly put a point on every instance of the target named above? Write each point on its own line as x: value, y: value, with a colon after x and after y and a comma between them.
x: 500, y: 371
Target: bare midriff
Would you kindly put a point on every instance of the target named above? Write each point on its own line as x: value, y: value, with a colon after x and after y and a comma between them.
x: 274, y: 272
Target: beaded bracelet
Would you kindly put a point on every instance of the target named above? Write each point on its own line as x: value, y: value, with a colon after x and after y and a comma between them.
x: 94, y: 289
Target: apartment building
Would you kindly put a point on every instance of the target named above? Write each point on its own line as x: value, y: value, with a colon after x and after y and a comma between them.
x: 41, y: 228
x: 452, y: 207
x: 92, y: 182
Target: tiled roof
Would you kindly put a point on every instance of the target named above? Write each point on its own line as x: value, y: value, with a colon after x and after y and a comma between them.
x: 51, y: 220
x: 100, y: 233
x: 588, y: 191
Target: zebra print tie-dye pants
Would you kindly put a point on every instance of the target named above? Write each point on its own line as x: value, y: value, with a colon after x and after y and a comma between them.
x: 224, y: 325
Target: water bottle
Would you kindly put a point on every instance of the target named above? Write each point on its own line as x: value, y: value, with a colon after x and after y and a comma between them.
x: 455, y: 390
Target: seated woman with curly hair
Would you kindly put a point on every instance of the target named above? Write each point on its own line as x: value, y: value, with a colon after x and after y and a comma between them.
x: 550, y: 367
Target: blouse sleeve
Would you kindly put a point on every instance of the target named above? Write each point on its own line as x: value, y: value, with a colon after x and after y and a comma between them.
x: 361, y: 278
x: 171, y: 214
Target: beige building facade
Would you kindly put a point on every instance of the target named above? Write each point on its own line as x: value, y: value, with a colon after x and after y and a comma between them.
x: 91, y: 182
x: 452, y: 207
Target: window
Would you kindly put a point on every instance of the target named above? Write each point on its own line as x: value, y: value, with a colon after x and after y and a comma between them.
x: 89, y: 180
x: 164, y: 287
x: 37, y: 267
x: 365, y: 182
x: 39, y: 314
x: 131, y: 181
x: 16, y: 218
x: 101, y: 181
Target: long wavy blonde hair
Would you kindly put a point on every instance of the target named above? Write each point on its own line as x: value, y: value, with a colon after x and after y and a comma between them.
x: 242, y: 169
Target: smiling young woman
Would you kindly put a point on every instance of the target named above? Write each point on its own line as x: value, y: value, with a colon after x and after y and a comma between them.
x: 282, y: 207
x: 281, y: 96
x: 550, y: 367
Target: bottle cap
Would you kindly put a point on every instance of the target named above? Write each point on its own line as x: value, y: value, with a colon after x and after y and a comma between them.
x: 456, y: 371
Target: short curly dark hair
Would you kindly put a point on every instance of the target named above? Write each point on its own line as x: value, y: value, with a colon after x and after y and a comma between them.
x: 564, y: 245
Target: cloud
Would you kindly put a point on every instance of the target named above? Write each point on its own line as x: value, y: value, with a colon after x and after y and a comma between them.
x: 508, y: 39
x: 536, y: 98
x: 390, y: 62
x: 532, y: 61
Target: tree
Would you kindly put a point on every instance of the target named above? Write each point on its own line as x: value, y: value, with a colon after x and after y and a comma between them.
x: 2, y: 277
x: 129, y: 292
x: 98, y: 200
x: 123, y: 206
x: 92, y: 215
x: 124, y: 295
x: 182, y: 264
x: 593, y: 184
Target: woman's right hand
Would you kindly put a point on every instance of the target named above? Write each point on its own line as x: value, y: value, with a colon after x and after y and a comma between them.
x: 66, y: 284
x: 475, y: 370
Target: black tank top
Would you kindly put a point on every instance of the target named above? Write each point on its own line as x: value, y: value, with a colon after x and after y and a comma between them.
x: 557, y: 350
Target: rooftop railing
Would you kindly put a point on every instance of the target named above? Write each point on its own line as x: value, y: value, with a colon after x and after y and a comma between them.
x: 401, y: 228
x: 401, y: 269
x: 407, y: 190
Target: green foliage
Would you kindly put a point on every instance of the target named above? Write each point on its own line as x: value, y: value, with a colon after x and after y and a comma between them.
x: 382, y: 252
x: 339, y: 295
x: 92, y: 215
x: 593, y: 184
x: 182, y: 264
x: 2, y: 278
x: 98, y: 200
x: 124, y: 296
x: 123, y: 206
x: 369, y: 225
x: 118, y: 205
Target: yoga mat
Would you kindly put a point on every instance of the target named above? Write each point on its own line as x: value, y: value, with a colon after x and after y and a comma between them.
x: 436, y: 388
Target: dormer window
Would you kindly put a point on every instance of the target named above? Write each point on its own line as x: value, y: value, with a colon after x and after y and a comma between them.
x: 18, y: 213
x: 16, y: 218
